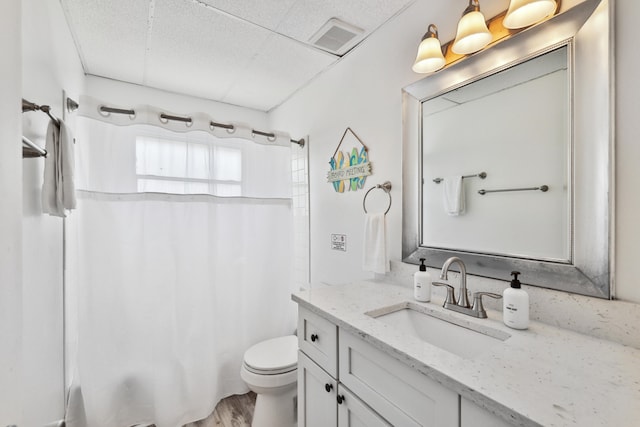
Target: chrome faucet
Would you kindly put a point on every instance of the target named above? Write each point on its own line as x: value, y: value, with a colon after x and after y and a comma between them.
x: 463, y: 299
x: 462, y: 304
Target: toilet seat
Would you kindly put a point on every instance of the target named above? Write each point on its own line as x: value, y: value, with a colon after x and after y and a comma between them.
x: 273, y: 357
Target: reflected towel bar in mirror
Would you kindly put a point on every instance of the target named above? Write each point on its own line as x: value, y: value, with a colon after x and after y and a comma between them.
x: 481, y: 175
x: 543, y: 188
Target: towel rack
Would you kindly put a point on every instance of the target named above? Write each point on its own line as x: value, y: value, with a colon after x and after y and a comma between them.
x: 32, y: 106
x: 386, y: 187
x: 543, y: 188
x: 30, y: 149
x: 481, y: 175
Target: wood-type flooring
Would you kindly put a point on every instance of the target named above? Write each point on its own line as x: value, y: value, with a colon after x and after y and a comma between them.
x: 234, y: 411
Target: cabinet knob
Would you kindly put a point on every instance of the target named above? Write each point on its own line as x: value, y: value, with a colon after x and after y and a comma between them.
x: 340, y: 399
x: 314, y: 337
x: 328, y: 387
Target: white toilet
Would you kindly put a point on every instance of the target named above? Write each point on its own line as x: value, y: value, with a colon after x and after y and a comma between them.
x: 270, y: 369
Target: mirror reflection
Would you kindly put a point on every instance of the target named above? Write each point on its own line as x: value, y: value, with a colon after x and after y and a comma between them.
x: 513, y: 126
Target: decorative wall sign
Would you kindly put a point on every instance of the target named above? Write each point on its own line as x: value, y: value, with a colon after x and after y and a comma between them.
x: 351, y: 170
x: 339, y: 242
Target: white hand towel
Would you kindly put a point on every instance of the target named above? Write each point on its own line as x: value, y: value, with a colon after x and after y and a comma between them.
x: 453, y: 192
x: 375, y: 244
x: 58, y: 187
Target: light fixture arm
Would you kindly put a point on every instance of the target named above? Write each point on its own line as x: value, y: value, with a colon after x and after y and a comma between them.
x: 432, y: 31
x: 474, y: 6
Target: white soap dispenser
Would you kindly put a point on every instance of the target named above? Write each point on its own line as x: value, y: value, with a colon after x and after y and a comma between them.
x: 422, y: 283
x: 515, y: 305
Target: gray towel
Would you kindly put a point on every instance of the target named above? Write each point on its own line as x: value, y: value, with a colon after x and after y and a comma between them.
x: 58, y: 187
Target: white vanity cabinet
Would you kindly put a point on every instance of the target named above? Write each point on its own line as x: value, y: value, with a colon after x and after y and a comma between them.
x: 318, y: 339
x: 471, y: 415
x: 322, y: 400
x: 400, y: 394
x: 317, y: 392
x: 353, y: 413
x: 344, y: 381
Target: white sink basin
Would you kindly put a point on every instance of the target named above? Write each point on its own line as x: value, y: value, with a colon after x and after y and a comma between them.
x: 460, y: 337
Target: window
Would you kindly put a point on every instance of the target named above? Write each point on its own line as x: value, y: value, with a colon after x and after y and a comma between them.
x: 187, y: 167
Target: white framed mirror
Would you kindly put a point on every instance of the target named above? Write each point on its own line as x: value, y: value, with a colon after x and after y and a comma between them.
x: 524, y: 129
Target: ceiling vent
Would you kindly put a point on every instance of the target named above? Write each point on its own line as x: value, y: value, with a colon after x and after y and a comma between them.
x: 336, y: 37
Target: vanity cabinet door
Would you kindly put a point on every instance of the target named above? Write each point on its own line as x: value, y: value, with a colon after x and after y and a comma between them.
x: 353, y: 413
x: 317, y: 395
x: 471, y: 415
x: 400, y: 394
x: 318, y: 339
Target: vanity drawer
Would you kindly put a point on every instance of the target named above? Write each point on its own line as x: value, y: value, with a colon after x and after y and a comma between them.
x: 398, y: 393
x: 318, y: 339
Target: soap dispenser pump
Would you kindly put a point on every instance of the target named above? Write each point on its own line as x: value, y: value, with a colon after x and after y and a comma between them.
x: 422, y: 283
x: 515, y: 305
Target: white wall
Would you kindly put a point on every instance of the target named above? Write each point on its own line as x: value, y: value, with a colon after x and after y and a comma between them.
x: 49, y: 66
x: 363, y: 91
x: 10, y: 217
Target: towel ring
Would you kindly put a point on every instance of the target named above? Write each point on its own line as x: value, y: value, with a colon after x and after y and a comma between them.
x: 386, y: 187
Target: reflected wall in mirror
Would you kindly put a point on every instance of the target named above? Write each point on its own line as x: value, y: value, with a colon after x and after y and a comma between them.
x: 514, y: 126
x: 532, y: 110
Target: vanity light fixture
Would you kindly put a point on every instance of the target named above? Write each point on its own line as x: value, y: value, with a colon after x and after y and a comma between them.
x: 430, y: 57
x: 472, y: 34
x: 523, y: 13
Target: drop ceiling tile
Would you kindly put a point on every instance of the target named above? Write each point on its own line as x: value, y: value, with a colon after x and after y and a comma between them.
x: 217, y: 49
x: 280, y: 68
x: 195, y: 50
x: 110, y: 36
x: 267, y: 13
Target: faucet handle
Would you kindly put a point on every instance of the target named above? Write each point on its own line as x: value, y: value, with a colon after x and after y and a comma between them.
x: 478, y: 308
x: 451, y: 296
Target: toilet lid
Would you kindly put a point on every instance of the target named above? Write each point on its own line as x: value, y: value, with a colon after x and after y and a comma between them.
x: 273, y: 356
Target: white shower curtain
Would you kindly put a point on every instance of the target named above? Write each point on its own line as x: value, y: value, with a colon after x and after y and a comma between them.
x: 166, y: 291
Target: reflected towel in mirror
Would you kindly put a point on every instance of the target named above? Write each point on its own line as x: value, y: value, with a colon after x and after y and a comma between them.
x: 453, y: 195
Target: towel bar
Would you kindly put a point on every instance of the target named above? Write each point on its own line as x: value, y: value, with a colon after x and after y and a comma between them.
x: 481, y: 175
x: 543, y: 188
x: 386, y: 187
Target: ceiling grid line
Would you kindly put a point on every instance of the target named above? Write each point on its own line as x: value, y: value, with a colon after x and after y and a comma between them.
x: 74, y: 36
x: 247, y: 21
x: 147, y: 48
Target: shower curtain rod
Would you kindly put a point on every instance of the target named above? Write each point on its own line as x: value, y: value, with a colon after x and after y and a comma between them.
x: 166, y: 117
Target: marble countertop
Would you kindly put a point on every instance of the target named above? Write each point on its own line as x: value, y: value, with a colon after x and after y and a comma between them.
x: 542, y: 376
